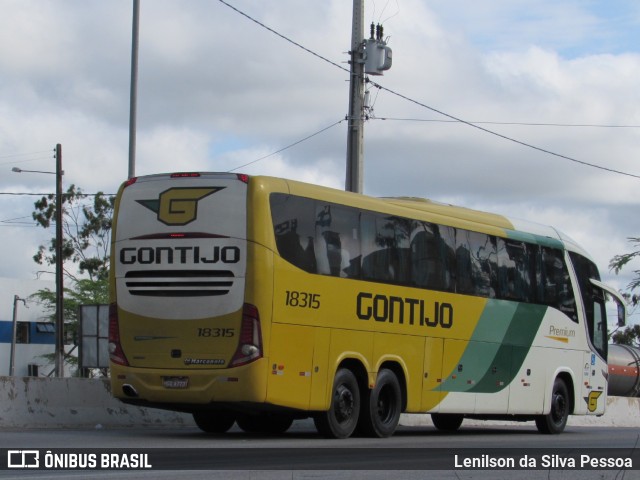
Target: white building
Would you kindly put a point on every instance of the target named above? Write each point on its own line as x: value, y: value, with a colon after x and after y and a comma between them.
x: 35, y: 334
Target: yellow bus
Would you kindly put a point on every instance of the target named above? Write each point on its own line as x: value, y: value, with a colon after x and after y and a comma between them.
x: 261, y: 300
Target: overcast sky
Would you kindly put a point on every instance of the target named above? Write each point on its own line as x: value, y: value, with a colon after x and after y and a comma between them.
x: 217, y: 91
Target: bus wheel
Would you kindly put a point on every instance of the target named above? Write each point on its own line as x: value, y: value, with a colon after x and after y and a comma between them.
x: 214, y: 422
x: 381, y: 410
x: 342, y: 417
x: 273, y: 423
x: 555, y: 421
x: 446, y: 422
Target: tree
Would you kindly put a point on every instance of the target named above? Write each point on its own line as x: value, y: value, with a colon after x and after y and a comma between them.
x: 84, y: 292
x: 87, y: 233
x: 618, y: 262
x: 631, y: 334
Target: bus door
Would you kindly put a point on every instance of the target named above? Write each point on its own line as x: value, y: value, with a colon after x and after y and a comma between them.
x: 478, y: 381
x: 432, y: 395
x: 595, y: 370
x: 298, y: 360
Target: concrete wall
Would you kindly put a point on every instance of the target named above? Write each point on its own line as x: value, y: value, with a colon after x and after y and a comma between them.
x: 30, y: 402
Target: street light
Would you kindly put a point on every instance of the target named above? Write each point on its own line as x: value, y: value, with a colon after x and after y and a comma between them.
x: 20, y: 170
x: 59, y: 351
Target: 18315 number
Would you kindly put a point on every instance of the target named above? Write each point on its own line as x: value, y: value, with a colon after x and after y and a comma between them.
x: 216, y: 332
x: 302, y: 299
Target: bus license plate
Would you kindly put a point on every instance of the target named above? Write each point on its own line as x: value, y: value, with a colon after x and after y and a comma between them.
x: 175, y: 382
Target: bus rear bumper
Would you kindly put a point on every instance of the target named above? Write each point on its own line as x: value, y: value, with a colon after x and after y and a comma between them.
x: 148, y: 386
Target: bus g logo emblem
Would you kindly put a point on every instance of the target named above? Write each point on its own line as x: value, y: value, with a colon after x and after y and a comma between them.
x: 592, y: 401
x: 178, y: 206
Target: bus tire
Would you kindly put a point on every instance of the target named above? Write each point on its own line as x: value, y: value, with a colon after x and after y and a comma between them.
x: 447, y: 422
x: 219, y: 421
x: 341, y: 419
x: 381, y: 410
x: 270, y: 423
x: 554, y: 422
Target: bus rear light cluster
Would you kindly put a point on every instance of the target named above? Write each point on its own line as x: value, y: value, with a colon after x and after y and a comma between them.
x: 116, y: 355
x: 243, y: 177
x: 185, y: 175
x: 250, y: 343
x: 130, y: 182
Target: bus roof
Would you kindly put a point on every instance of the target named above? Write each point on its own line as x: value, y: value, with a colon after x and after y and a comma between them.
x: 492, y: 219
x: 420, y: 208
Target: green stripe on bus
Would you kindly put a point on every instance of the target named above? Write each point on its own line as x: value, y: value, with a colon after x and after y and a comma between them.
x: 535, y: 239
x: 497, y: 348
x: 515, y: 346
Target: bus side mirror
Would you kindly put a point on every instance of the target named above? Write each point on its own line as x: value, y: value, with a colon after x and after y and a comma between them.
x: 622, y: 314
x: 619, y: 299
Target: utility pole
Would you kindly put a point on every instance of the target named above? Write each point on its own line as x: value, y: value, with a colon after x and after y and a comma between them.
x: 133, y: 98
x: 12, y: 358
x: 59, y: 351
x: 355, y: 128
x: 370, y: 57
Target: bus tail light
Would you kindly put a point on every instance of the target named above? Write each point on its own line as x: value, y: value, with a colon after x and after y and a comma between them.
x: 130, y: 182
x: 250, y: 344
x: 116, y: 355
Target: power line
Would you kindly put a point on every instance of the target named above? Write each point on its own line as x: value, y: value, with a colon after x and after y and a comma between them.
x: 231, y: 170
x: 290, y: 145
x: 25, y: 154
x: 16, y: 218
x: 504, y: 137
x: 13, y: 222
x: 25, y: 194
x: 47, y: 194
x: 25, y: 161
x: 453, y: 118
x: 20, y: 224
x: 284, y: 37
x: 527, y: 124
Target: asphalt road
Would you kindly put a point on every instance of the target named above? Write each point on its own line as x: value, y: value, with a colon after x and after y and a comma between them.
x: 413, y: 452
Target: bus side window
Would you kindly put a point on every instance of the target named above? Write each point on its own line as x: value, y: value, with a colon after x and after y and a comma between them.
x: 424, y: 261
x: 400, y: 251
x: 599, y: 337
x: 464, y: 278
x: 447, y: 245
x: 386, y: 254
x: 375, y: 256
x: 432, y: 256
x: 593, y: 301
x: 337, y: 240
x: 476, y: 255
x: 515, y: 273
x: 293, y: 229
x: 556, y: 286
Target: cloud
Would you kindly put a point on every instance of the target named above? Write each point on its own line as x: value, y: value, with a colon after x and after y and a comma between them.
x: 217, y: 91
